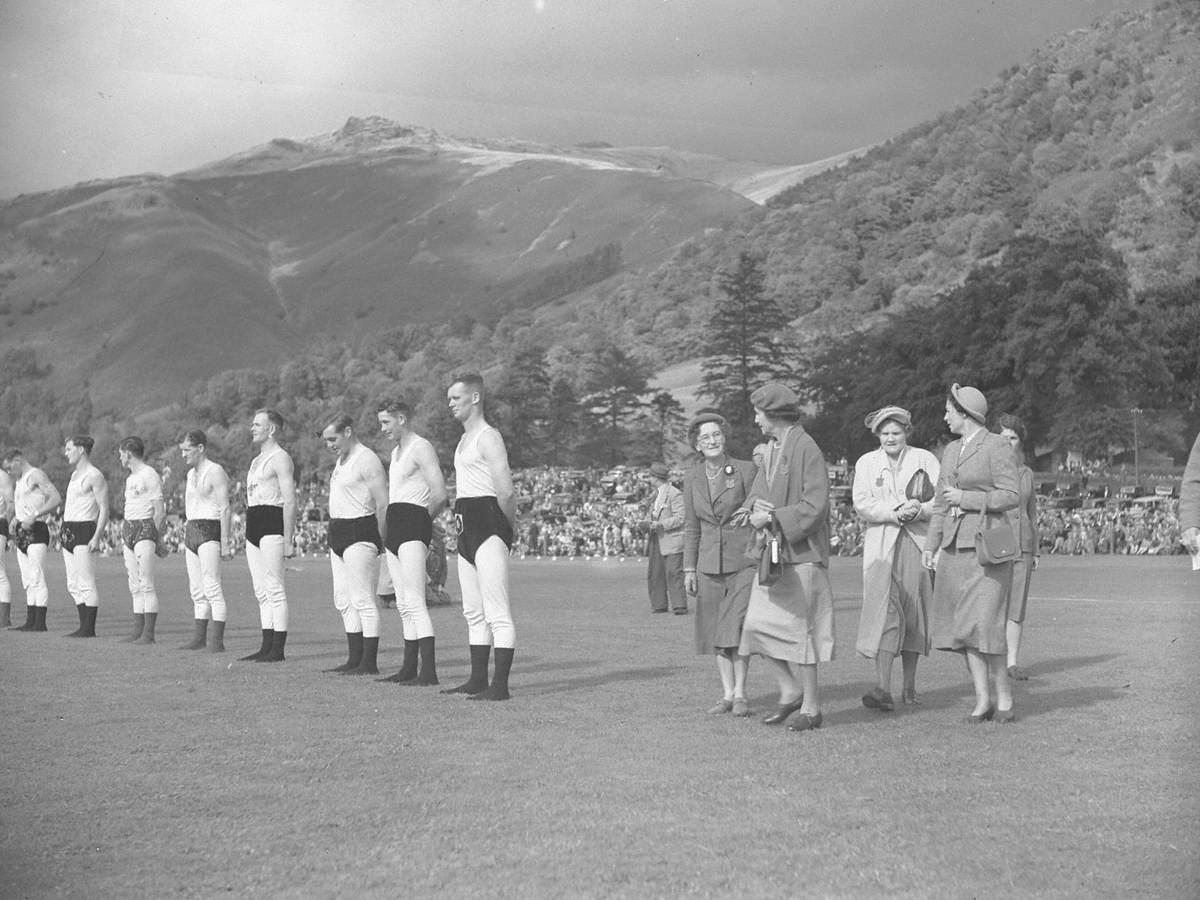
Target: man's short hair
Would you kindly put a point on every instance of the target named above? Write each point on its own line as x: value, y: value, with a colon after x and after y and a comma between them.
x: 272, y: 415
x: 340, y: 423
x: 83, y: 441
x: 134, y: 446
x: 395, y: 408
x: 11, y: 455
x: 195, y: 437
x: 472, y: 380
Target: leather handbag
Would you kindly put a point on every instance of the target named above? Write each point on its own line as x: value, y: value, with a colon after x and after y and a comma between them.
x: 919, y: 487
x: 770, y: 562
x: 997, y: 544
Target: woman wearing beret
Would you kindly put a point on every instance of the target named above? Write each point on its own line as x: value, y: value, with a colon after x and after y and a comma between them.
x: 715, y: 565
x: 896, y: 587
x: 789, y: 620
x: 977, y: 484
x: 1023, y: 518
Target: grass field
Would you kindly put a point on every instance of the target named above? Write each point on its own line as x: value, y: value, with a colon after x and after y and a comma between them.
x: 149, y: 772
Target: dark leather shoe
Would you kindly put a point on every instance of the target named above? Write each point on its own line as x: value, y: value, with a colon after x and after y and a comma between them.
x: 682, y: 611
x: 1006, y: 716
x: 741, y: 709
x: 1016, y: 673
x: 723, y: 706
x: 805, y: 722
x: 782, y: 711
x: 877, y: 698
x: 985, y: 716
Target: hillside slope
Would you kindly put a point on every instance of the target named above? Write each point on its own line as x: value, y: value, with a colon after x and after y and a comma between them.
x: 1099, y: 130
x: 142, y: 285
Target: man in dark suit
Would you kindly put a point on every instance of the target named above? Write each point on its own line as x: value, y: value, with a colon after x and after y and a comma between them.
x: 664, y: 577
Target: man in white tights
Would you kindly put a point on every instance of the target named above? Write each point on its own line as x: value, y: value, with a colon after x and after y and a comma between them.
x: 416, y: 493
x: 270, y: 531
x: 485, y: 512
x: 206, y: 541
x: 85, y: 519
x: 358, y: 499
x: 34, y: 497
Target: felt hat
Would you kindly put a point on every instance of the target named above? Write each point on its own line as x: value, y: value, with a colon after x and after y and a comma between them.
x: 896, y: 413
x: 971, y: 400
x: 775, y: 397
x: 659, y: 470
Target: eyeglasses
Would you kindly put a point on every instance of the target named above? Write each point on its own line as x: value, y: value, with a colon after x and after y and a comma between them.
x: 715, y: 438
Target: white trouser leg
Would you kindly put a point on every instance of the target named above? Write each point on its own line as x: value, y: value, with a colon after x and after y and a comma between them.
x: 5, y: 588
x: 408, y: 575
x: 362, y: 561
x: 491, y: 567
x: 139, y: 567
x: 81, y: 576
x: 33, y: 576
x: 210, y: 578
x: 345, y: 583
x: 266, y: 573
x: 200, y: 607
x: 478, y: 632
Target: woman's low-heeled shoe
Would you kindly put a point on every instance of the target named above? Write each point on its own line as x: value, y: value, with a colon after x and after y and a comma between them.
x: 878, y: 698
x: 723, y: 706
x: 1006, y: 716
x: 985, y: 716
x: 805, y: 722
x: 741, y: 709
x: 782, y: 711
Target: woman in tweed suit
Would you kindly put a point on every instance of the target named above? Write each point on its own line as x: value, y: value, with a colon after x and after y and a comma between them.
x: 715, y: 564
x: 970, y: 599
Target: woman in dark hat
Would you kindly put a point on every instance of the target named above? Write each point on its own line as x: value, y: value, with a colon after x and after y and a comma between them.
x: 977, y: 484
x: 888, y: 498
x: 716, y: 570
x: 789, y: 620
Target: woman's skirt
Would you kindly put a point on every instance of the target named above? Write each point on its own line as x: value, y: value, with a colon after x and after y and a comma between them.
x: 721, y: 602
x: 899, y: 621
x: 791, y: 619
x: 1021, y: 579
x: 970, y: 602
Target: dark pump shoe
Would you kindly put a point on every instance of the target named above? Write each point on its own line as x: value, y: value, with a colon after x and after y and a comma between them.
x: 877, y: 698
x: 985, y: 716
x: 805, y: 722
x: 782, y: 711
x: 1006, y: 716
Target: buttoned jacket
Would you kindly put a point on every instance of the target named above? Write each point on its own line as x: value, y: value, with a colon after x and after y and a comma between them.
x: 711, y: 543
x: 666, y: 513
x: 984, y: 470
x: 798, y: 486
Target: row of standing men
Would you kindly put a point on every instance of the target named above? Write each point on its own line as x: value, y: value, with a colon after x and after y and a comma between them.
x: 371, y: 512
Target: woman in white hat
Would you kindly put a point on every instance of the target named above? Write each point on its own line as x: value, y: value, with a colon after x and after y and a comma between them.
x: 893, y: 495
x: 977, y: 484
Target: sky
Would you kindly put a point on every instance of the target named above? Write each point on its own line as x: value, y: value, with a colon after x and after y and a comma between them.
x: 103, y: 88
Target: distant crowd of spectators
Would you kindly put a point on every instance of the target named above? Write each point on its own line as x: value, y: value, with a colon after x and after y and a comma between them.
x: 595, y: 514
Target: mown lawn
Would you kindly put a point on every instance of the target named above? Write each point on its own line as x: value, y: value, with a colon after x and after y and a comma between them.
x: 148, y: 772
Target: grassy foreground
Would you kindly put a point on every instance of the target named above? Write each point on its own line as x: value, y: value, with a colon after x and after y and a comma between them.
x: 148, y: 772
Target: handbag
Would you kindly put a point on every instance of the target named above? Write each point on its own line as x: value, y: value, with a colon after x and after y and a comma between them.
x: 994, y: 545
x: 919, y: 487
x: 770, y: 562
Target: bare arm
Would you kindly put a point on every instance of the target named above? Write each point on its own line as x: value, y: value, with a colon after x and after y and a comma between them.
x: 427, y: 463
x: 220, y: 491
x: 376, y: 481
x: 491, y: 446
x: 284, y: 470
x: 46, y: 487
x: 99, y: 489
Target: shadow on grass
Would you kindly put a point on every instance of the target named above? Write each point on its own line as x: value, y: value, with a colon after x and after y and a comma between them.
x: 593, y: 681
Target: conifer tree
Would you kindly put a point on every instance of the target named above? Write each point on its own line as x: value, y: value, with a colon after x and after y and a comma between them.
x: 746, y: 344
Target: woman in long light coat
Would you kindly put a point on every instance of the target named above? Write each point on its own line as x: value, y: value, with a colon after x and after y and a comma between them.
x: 896, y: 587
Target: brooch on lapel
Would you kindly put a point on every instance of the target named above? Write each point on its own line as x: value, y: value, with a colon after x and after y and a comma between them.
x: 729, y: 473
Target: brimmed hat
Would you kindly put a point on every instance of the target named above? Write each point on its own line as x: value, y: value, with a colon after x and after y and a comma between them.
x: 774, y: 398
x: 703, y: 418
x: 895, y: 413
x: 972, y: 401
x: 660, y: 470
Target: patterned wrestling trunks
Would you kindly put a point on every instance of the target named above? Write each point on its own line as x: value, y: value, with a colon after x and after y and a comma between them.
x: 24, y: 538
x: 200, y: 531
x: 76, y: 534
x: 134, y: 531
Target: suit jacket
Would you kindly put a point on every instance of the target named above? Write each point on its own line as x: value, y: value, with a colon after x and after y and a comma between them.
x: 984, y: 470
x: 710, y: 543
x: 1023, y: 517
x: 666, y: 512
x: 799, y: 488
x: 1189, y: 490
